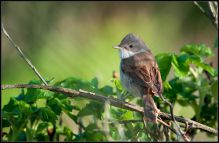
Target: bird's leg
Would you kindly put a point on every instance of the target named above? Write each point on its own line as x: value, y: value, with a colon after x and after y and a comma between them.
x: 156, y: 110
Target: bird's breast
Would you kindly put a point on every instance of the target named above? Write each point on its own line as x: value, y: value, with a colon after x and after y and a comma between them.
x: 129, y: 85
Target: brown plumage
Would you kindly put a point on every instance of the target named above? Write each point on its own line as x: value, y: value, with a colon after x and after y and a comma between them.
x: 144, y: 69
x: 144, y: 72
x: 140, y: 74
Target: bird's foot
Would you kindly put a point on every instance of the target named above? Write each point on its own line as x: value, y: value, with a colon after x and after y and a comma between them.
x: 157, y: 111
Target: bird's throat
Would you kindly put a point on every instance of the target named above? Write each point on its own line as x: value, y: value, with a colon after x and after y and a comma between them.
x: 124, y: 53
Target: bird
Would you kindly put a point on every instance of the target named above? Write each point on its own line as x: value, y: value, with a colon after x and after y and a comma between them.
x: 140, y: 74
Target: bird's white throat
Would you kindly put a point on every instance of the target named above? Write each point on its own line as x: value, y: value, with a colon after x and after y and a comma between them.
x: 127, y: 53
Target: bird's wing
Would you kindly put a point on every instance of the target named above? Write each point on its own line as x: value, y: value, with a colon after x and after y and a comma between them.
x: 144, y: 70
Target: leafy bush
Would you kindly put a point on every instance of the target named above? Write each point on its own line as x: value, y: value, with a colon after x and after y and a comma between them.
x: 34, y: 115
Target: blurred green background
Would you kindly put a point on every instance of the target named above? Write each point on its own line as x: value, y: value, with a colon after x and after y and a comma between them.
x: 75, y: 39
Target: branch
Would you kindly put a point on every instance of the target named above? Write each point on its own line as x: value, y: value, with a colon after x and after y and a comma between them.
x: 179, y: 131
x: 112, y: 101
x: 124, y: 121
x: 210, y: 10
x: 22, y: 55
x: 168, y: 126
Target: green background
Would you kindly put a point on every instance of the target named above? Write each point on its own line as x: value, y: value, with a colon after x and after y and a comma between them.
x: 76, y: 39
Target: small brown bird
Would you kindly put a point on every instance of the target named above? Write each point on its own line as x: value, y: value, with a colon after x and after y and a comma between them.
x: 139, y: 74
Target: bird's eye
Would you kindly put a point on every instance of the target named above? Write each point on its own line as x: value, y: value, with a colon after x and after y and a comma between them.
x: 131, y: 46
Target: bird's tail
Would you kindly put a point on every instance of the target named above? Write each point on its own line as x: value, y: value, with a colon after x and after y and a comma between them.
x: 150, y: 109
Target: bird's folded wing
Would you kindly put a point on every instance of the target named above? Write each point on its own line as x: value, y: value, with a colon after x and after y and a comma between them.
x: 144, y: 70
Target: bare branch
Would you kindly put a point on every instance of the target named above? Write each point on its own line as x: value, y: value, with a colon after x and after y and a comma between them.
x: 124, y: 121
x: 166, y: 125
x: 112, y: 101
x: 211, y: 10
x: 22, y: 55
x: 179, y: 132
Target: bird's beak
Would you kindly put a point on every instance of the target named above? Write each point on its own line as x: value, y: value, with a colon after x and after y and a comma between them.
x: 117, y: 47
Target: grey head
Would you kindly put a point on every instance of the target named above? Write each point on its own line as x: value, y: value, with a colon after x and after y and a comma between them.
x: 131, y: 45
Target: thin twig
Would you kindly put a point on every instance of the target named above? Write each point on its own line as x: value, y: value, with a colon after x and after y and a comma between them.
x: 201, y: 8
x: 179, y: 132
x: 211, y: 11
x: 166, y: 125
x: 124, y: 121
x: 166, y: 133
x: 22, y: 55
x: 214, y: 10
x: 112, y: 101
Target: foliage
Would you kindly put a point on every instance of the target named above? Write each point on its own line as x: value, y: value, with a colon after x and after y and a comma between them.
x: 34, y: 115
x: 194, y: 83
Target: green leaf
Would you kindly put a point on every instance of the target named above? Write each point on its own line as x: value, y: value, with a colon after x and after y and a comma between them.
x: 16, y: 112
x: 92, y: 108
x: 211, y: 117
x: 128, y: 115
x: 75, y: 83
x: 200, y: 50
x: 5, y: 123
x: 130, y: 129
x: 194, y: 58
x: 24, y: 108
x: 164, y: 63
x: 58, y: 105
x: 46, y: 114
x: 35, y: 82
x: 114, y: 133
x: 55, y: 104
x: 80, y: 137
x: 21, y: 136
x: 17, y: 107
x: 121, y: 114
x: 94, y: 82
x: 42, y: 137
x: 118, y: 84
x: 167, y: 85
x: 106, y: 90
x: 68, y: 133
x: 12, y: 104
x: 94, y: 134
x: 33, y: 94
x: 92, y: 126
x: 21, y: 96
x: 180, y: 65
x: 183, y: 58
x: 42, y: 127
x: 66, y: 104
x: 184, y: 87
x: 143, y: 136
x: 207, y: 67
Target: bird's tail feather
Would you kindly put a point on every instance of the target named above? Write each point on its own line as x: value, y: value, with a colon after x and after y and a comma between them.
x: 150, y: 108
